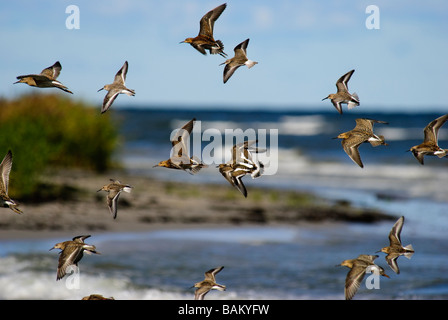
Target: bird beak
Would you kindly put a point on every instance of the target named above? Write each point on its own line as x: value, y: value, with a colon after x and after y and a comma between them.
x: 182, y: 42
x: 324, y: 98
x: 51, y: 249
x: 100, y: 89
x: 16, y: 82
x: 155, y: 166
x: 222, y: 63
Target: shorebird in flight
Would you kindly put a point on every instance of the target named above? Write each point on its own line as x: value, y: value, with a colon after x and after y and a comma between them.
x: 180, y: 159
x: 5, y: 170
x: 342, y: 95
x: 429, y: 146
x: 395, y: 248
x: 241, y: 164
x: 114, y: 189
x: 208, y: 284
x: 71, y: 253
x: 240, y: 59
x: 358, y: 268
x: 205, y: 40
x: 363, y: 132
x: 116, y: 88
x: 46, y: 79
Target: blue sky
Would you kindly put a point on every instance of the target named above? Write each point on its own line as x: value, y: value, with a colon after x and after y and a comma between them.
x: 302, y: 48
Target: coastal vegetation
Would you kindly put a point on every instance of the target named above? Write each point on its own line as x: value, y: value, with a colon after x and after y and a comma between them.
x: 45, y: 131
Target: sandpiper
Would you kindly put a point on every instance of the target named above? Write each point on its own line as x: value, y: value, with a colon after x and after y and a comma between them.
x: 115, y: 88
x: 342, y: 95
x: 5, y: 169
x: 204, y: 40
x: 46, y: 79
x: 395, y: 248
x: 358, y: 268
x: 363, y: 132
x: 114, y: 188
x: 180, y: 158
x: 71, y: 253
x: 242, y: 163
x: 429, y: 146
x: 96, y: 296
x: 237, y: 61
x: 208, y: 284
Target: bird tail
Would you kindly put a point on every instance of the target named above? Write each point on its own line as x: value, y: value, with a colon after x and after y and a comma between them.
x: 219, y: 49
x: 250, y: 63
x: 259, y: 170
x: 220, y: 287
x: 410, y: 251
x: 354, y: 102
x: 89, y: 249
x: 380, y: 141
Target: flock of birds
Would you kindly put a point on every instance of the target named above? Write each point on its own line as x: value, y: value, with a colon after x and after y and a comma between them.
x: 242, y: 163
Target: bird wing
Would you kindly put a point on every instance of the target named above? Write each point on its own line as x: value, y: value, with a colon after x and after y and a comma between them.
x: 240, y: 49
x: 391, y: 260
x: 179, y: 140
x: 120, y: 77
x: 109, y: 99
x: 53, y: 71
x: 5, y: 169
x: 353, y: 280
x: 69, y: 256
x: 112, y: 200
x: 337, y: 105
x: 229, y: 70
x: 394, y: 235
x: 341, y: 84
x: 432, y: 129
x: 241, y: 152
x: 364, y: 124
x: 210, y: 274
x: 351, y: 146
x: 238, y: 182
x: 200, y: 292
x: 207, y: 22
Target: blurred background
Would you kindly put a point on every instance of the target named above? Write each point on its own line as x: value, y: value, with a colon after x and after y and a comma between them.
x: 302, y: 48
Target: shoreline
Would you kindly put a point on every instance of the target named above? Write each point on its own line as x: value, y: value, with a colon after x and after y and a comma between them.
x: 156, y: 205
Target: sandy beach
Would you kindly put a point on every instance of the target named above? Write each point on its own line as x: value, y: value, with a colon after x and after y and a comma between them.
x: 156, y: 204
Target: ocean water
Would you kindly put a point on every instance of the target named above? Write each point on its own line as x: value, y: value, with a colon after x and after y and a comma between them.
x: 263, y: 262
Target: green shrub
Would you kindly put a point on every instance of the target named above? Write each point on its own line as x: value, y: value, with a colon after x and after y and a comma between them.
x: 45, y: 131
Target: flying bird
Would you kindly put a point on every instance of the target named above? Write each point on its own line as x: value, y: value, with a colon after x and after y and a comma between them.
x: 5, y: 170
x: 208, y: 284
x: 71, y: 253
x: 240, y: 59
x: 114, y: 189
x: 429, y: 146
x: 342, y: 95
x: 363, y: 132
x: 241, y: 164
x: 395, y: 248
x: 116, y: 88
x: 205, y: 40
x: 46, y: 79
x: 358, y: 268
x: 180, y: 159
